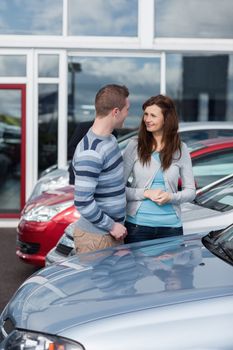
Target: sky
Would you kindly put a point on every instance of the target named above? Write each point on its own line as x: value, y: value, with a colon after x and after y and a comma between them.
x: 118, y: 17
x: 194, y: 18
x: 185, y: 18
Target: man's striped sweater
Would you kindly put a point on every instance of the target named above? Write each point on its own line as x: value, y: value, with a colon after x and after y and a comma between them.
x: 99, y: 183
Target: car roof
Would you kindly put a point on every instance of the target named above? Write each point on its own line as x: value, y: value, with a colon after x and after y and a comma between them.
x: 183, y: 126
x: 189, y: 126
x: 208, y: 143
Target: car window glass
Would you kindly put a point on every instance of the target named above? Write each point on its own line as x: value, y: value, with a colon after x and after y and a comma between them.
x: 190, y: 137
x: 227, y: 200
x: 212, y: 167
x: 220, y: 197
x: 224, y: 133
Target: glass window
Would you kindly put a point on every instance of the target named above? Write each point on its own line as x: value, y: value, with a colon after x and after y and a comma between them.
x: 48, y: 125
x: 192, y: 137
x: 101, y: 17
x: 12, y: 66
x: 88, y: 75
x: 48, y: 66
x: 31, y: 17
x: 210, y: 168
x: 193, y: 18
x: 201, y: 85
x: 10, y: 150
x: 218, y: 197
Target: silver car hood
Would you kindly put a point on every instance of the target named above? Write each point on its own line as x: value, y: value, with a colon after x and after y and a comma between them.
x: 199, y: 219
x: 116, y: 281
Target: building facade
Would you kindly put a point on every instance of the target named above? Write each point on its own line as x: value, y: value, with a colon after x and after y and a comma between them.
x: 55, y: 55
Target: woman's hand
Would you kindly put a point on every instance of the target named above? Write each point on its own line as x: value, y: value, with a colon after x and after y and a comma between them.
x: 152, y: 194
x: 158, y: 196
x: 163, y: 198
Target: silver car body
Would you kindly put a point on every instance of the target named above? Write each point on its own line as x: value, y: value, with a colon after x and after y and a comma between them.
x: 173, y: 294
x: 195, y: 217
x: 64, y: 247
x: 212, y: 209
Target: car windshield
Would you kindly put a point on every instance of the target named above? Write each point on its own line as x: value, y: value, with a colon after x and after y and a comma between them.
x: 220, y: 243
x: 218, y: 197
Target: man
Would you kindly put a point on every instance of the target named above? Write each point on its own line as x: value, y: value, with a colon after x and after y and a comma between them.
x: 99, y: 176
x: 79, y: 132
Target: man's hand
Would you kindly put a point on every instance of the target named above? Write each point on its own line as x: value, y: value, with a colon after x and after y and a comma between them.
x: 118, y: 231
x: 158, y: 196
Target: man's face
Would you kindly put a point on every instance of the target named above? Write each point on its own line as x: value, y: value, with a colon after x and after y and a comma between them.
x: 122, y: 114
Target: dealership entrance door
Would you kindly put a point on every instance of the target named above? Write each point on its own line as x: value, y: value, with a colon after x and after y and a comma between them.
x: 12, y: 149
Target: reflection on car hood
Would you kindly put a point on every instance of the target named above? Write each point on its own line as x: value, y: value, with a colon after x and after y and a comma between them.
x: 115, y: 281
x: 51, y: 197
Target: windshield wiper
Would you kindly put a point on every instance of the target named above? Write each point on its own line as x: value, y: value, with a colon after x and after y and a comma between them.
x: 219, y: 206
x: 227, y: 252
x: 196, y: 201
x: 217, y: 248
x: 215, y: 206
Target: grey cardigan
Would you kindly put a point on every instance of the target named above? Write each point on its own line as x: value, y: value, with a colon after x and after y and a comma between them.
x: 143, y: 176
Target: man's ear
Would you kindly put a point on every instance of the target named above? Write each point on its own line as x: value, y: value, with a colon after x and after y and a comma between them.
x: 115, y: 112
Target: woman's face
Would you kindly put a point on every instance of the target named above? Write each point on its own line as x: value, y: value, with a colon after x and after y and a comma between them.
x: 153, y: 119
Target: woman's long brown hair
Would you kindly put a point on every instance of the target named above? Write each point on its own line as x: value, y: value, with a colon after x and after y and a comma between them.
x: 171, y: 139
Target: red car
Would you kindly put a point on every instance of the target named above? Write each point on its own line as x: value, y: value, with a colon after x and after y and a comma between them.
x: 212, y: 159
x: 44, y: 219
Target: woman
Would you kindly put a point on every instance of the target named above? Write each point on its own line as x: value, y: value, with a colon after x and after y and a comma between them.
x: 157, y: 159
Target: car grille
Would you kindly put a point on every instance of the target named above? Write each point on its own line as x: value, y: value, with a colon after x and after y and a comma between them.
x: 63, y: 249
x: 28, y: 248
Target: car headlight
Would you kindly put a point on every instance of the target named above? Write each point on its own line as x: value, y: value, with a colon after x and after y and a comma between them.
x: 22, y: 340
x: 46, y: 213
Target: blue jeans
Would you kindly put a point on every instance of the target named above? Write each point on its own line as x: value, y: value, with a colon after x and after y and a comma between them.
x: 138, y: 233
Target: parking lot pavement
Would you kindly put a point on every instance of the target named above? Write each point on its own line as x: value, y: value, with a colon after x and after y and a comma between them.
x: 12, y: 271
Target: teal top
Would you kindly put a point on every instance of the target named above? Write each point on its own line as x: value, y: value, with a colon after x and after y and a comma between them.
x: 154, y: 215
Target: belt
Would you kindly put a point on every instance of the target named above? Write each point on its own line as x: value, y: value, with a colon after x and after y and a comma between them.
x: 135, y: 225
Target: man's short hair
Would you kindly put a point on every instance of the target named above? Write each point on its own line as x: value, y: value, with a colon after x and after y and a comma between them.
x: 109, y: 97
